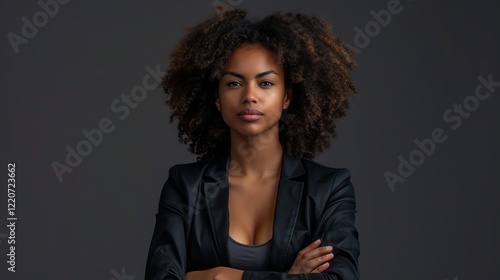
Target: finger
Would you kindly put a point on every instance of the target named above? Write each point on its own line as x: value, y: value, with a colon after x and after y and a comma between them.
x: 313, y: 245
x: 303, y: 264
x: 317, y: 262
x: 321, y: 268
x: 307, y: 249
x: 318, y: 252
x: 309, y: 261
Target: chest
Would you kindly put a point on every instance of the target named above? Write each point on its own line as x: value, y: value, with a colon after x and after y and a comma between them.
x: 251, y: 206
x: 286, y: 214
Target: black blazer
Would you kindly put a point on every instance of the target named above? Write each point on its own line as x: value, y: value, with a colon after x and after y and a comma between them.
x: 192, y: 223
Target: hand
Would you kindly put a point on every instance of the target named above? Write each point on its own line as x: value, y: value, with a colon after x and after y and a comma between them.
x: 208, y: 274
x: 227, y: 273
x: 216, y: 273
x: 312, y: 259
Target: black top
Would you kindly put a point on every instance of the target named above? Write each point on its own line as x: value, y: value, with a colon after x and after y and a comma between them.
x: 249, y: 257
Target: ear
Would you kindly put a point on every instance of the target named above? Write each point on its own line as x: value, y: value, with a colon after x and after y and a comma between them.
x: 217, y: 100
x: 217, y: 103
x: 288, y: 98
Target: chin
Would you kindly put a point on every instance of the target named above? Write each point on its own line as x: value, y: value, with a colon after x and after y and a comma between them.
x: 249, y: 133
x: 254, y: 132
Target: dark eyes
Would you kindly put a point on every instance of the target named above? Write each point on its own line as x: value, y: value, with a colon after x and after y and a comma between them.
x: 233, y: 84
x: 264, y: 83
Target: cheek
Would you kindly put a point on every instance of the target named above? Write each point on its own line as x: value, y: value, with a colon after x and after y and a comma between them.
x: 278, y: 106
x: 229, y: 101
x: 225, y: 111
x: 275, y: 113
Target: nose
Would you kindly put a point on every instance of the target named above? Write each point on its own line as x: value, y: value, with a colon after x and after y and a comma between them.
x: 249, y: 94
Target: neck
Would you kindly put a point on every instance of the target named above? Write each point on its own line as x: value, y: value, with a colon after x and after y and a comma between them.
x: 257, y: 156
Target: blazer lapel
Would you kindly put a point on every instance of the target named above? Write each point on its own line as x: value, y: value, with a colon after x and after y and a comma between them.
x: 287, y: 210
x: 215, y: 189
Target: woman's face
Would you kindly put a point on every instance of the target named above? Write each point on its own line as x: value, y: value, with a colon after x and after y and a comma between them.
x: 252, y: 91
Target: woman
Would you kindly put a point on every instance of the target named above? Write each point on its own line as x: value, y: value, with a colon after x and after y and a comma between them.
x: 256, y: 101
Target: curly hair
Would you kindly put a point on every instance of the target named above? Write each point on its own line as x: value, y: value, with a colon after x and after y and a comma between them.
x: 316, y: 65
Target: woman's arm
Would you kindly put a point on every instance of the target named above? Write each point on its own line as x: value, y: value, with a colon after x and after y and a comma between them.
x: 167, y: 253
x: 217, y: 273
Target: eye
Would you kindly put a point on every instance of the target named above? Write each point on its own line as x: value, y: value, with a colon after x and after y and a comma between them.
x: 233, y: 84
x: 266, y: 83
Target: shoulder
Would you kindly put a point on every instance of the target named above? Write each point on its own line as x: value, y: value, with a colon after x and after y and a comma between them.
x: 189, y: 171
x: 195, y: 166
x: 321, y: 171
x: 181, y: 179
x: 320, y: 176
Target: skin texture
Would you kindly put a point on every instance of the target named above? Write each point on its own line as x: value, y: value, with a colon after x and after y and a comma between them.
x: 253, y: 79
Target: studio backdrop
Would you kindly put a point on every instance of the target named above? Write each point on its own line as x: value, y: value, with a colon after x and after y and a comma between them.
x: 86, y: 142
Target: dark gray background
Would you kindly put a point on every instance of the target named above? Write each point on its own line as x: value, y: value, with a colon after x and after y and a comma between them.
x: 441, y: 223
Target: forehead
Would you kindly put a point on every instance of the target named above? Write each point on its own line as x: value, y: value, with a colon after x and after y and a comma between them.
x: 254, y: 57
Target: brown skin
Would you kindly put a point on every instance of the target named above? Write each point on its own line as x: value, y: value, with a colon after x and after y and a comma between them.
x: 255, y: 145
x: 253, y: 79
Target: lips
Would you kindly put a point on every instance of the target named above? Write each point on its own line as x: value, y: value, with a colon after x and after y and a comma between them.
x: 250, y: 114
x: 249, y: 111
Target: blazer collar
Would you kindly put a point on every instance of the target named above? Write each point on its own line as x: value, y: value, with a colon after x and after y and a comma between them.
x: 216, y: 196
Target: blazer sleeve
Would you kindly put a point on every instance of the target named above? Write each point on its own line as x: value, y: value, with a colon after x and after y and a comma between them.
x: 167, y: 251
x: 336, y: 228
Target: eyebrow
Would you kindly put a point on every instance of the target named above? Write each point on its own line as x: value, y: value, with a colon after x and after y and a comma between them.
x: 256, y: 76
